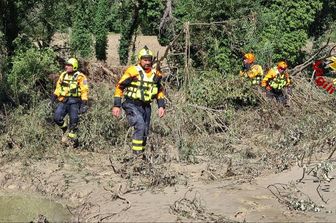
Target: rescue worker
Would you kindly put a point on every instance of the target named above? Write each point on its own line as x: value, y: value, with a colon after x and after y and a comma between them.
x: 325, y: 67
x: 250, y: 71
x: 71, y: 95
x: 139, y: 85
x: 330, y: 64
x: 277, y: 83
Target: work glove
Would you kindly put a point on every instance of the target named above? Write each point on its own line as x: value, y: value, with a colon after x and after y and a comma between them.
x: 246, y: 67
x: 83, y: 107
x: 53, y: 98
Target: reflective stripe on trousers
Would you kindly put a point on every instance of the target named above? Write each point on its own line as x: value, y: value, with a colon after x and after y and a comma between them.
x: 138, y: 116
x: 71, y: 107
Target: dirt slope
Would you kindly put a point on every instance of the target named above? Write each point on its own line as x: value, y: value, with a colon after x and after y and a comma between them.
x: 62, y: 40
x: 113, y: 44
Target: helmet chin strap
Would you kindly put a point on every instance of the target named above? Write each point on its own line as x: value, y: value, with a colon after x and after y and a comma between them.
x: 247, y: 66
x: 148, y: 69
x: 71, y: 72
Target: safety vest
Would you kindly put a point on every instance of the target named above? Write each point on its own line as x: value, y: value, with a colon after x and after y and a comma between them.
x: 279, y: 81
x: 69, y: 85
x: 331, y: 63
x: 254, y: 81
x: 145, y: 88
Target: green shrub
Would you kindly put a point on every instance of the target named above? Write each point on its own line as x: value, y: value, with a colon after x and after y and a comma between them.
x: 212, y: 89
x: 81, y: 40
x: 3, y: 64
x: 101, y: 30
x: 29, y: 132
x: 98, y: 129
x: 28, y: 79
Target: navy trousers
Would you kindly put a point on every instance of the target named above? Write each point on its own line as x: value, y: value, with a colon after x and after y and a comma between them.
x: 279, y: 95
x: 71, y: 107
x: 138, y: 115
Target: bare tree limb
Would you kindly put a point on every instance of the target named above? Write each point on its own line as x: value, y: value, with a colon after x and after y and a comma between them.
x: 318, y: 192
x: 113, y: 168
x: 106, y: 70
x: 331, y: 50
x: 109, y: 215
x: 303, y: 174
x: 331, y: 154
x: 297, y: 69
x: 169, y: 47
x: 167, y: 15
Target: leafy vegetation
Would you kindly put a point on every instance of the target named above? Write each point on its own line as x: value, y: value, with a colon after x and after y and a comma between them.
x: 101, y: 30
x: 81, y: 40
x: 214, y: 114
x: 28, y: 80
x: 130, y: 15
x: 215, y: 123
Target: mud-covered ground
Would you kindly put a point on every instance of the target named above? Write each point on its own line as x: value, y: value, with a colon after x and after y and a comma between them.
x: 96, y: 187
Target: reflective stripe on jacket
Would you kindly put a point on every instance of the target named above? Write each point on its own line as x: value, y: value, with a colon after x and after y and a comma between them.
x: 135, y: 83
x: 144, y: 88
x: 331, y: 63
x: 275, y: 79
x: 255, y: 74
x: 72, y: 85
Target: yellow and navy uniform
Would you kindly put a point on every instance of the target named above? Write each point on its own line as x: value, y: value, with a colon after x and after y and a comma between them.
x: 331, y: 63
x: 139, y: 88
x: 72, y: 85
x: 72, y: 92
x: 139, y: 85
x: 276, y: 80
x: 254, y: 74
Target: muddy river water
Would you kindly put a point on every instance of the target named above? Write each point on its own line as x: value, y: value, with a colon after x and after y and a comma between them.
x: 20, y: 207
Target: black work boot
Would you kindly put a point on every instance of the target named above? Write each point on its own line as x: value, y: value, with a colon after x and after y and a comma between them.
x: 75, y: 143
x: 64, y: 129
x: 137, y: 152
x: 73, y: 139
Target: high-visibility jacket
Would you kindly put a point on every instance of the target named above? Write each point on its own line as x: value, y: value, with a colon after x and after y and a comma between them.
x: 72, y: 85
x: 331, y: 63
x: 254, y: 74
x: 137, y: 84
x: 276, y: 80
